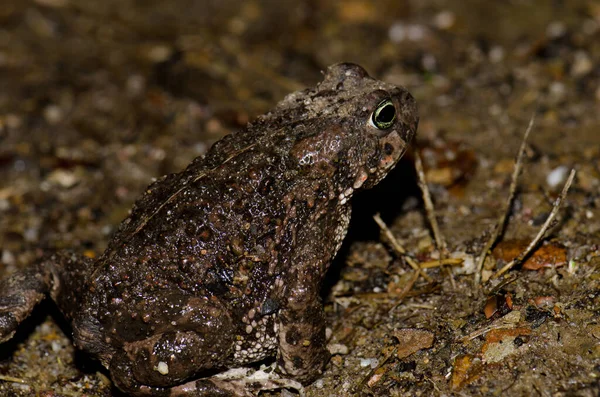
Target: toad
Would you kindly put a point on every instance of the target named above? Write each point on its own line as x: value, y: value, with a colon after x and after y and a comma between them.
x: 221, y: 265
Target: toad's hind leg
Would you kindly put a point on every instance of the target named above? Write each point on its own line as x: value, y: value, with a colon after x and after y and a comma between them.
x: 60, y: 275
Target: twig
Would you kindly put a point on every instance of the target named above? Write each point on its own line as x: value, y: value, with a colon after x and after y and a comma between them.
x: 12, y: 379
x: 507, y: 322
x: 440, y: 243
x: 441, y: 262
x: 502, y: 284
x: 399, y: 248
x: 429, y: 209
x: 543, y: 229
x: 501, y: 223
x: 409, y: 306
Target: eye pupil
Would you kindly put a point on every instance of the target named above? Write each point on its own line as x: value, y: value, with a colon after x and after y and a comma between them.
x: 387, y: 114
x: 384, y: 115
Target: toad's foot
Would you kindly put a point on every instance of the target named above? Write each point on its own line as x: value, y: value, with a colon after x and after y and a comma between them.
x: 253, y: 381
x: 236, y: 382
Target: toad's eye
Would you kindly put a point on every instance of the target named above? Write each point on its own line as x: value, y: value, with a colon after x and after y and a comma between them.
x: 384, y: 115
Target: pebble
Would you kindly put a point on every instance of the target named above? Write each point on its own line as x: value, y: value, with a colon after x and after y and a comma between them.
x: 368, y: 362
x: 496, y: 54
x: 159, y: 53
x: 56, y: 346
x: 136, y: 84
x: 338, y: 348
x: 444, y: 20
x: 53, y: 114
x: 7, y: 258
x: 582, y: 64
x: 557, y: 176
x: 557, y: 91
x: 556, y: 29
x: 400, y: 32
x: 31, y: 234
x: 63, y: 178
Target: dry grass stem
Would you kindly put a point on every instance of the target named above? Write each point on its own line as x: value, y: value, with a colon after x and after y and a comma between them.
x: 507, y: 322
x: 12, y: 379
x: 398, y: 248
x: 429, y: 209
x: 500, y: 224
x: 441, y: 262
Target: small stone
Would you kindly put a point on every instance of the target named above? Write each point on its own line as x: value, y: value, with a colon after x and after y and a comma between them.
x: 53, y: 114
x: 136, y: 84
x: 444, y: 20
x: 63, y: 178
x: 338, y: 348
x: 496, y: 54
x: 159, y: 53
x: 557, y: 91
x: 368, y: 362
x: 557, y: 176
x: 56, y: 346
x: 7, y: 258
x: 582, y: 64
x: 556, y: 29
x: 400, y: 32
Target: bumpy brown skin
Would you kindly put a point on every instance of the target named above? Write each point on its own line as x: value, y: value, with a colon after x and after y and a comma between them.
x: 221, y: 265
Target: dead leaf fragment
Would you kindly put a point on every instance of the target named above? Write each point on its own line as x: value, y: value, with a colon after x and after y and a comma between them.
x: 500, y: 343
x: 544, y: 301
x: 411, y: 340
x: 500, y: 304
x: 491, y: 306
x: 548, y: 255
x: 466, y: 369
x: 376, y: 377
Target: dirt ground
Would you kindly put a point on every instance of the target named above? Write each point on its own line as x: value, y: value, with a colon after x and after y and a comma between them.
x: 97, y: 97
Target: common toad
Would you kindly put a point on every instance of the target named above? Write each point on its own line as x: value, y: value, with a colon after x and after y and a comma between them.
x: 221, y: 265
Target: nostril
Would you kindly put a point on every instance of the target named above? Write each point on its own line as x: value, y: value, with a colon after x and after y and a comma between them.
x: 388, y: 149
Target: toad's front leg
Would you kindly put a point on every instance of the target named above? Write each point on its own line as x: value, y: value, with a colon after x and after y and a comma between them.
x: 303, y: 352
